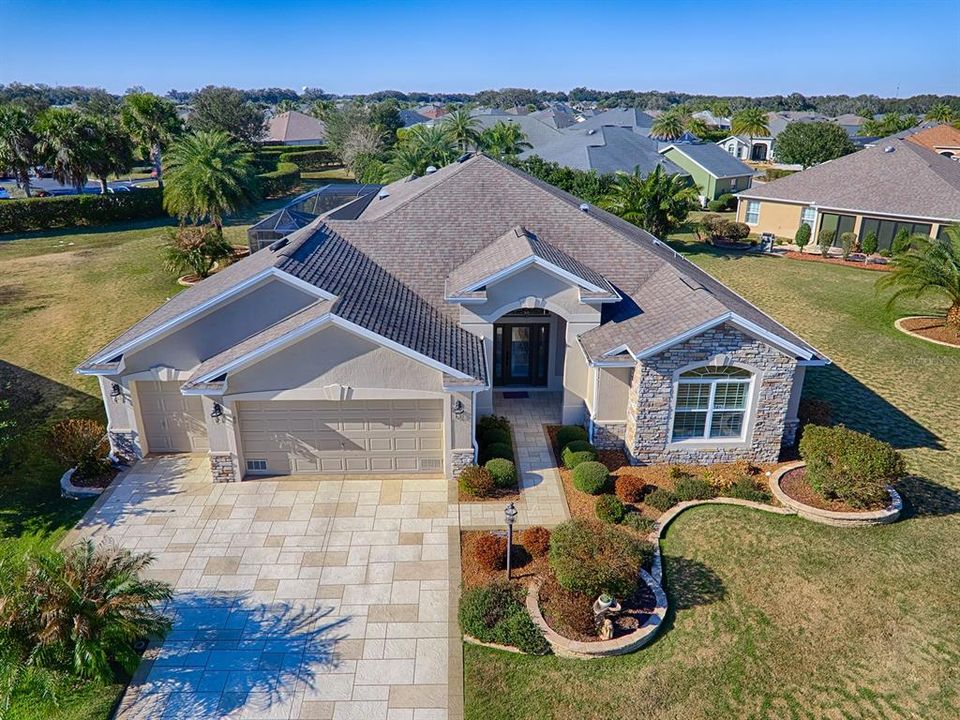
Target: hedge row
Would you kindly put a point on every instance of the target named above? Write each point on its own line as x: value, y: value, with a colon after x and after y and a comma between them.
x: 24, y: 215
x: 311, y: 159
x: 279, y: 182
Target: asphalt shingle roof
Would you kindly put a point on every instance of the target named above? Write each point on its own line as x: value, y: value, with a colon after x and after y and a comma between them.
x: 714, y: 159
x: 606, y: 149
x: 294, y: 126
x: 908, y: 180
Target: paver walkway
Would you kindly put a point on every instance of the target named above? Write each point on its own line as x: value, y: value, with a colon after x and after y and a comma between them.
x: 295, y: 598
x: 541, y: 495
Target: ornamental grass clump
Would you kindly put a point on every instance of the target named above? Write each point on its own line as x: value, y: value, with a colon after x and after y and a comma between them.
x: 475, y: 481
x: 590, y: 477
x: 590, y: 557
x: 850, y: 466
x: 692, y: 488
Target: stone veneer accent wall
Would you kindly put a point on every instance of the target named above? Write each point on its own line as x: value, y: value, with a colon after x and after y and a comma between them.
x: 459, y: 459
x: 223, y: 467
x: 650, y: 400
x: 609, y: 436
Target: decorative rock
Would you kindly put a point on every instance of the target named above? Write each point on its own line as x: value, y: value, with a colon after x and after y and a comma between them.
x: 888, y: 514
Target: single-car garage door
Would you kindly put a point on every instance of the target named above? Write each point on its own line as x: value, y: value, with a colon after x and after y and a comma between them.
x: 353, y: 436
x: 172, y: 422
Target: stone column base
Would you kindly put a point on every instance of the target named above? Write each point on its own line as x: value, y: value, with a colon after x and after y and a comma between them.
x: 223, y: 468
x: 609, y: 436
x: 460, y: 459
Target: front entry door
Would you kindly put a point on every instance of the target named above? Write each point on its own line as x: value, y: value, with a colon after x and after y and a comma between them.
x: 520, y: 354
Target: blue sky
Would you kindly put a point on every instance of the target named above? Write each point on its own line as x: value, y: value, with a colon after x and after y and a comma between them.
x: 730, y: 47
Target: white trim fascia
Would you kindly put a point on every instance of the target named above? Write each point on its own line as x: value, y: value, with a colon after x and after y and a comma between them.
x: 96, y: 373
x: 210, y: 303
x: 772, y: 338
x: 616, y: 297
x: 866, y: 214
x: 817, y: 362
x: 618, y: 350
x: 465, y: 388
x: 527, y: 262
x: 457, y: 300
x: 613, y: 364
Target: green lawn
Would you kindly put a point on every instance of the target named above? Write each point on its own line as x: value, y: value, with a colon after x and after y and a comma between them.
x: 63, y: 294
x: 777, y: 617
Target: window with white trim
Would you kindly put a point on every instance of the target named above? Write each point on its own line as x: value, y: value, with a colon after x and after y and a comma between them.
x: 257, y: 465
x: 809, y: 216
x: 711, y: 404
x: 753, y: 212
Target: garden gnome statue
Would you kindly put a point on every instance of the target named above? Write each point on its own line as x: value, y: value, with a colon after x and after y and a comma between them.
x: 606, y: 629
x: 604, y: 608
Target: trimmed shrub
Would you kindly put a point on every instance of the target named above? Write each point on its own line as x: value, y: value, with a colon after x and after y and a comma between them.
x: 848, y: 243
x: 576, y: 452
x: 630, y: 488
x: 746, y: 489
x: 590, y: 477
x: 503, y: 472
x: 825, y: 241
x: 678, y: 473
x: 901, y: 241
x: 570, y: 433
x: 476, y: 481
x: 738, y: 231
x: 609, y: 509
x: 536, y: 540
x: 802, y: 236
x: 309, y: 160
x: 280, y: 181
x: 870, y: 243
x: 495, y: 435
x: 716, y: 206
x: 27, y: 214
x: 636, y: 521
x: 846, y: 465
x: 490, y: 422
x: 490, y: 552
x: 496, y: 613
x: 692, y: 488
x: 661, y: 499
x: 570, y: 612
x: 496, y: 450
x: 590, y: 557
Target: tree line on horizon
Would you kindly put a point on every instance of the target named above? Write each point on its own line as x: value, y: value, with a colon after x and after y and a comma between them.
x: 864, y: 104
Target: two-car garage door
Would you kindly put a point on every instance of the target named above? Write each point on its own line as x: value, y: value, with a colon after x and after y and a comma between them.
x: 349, y: 437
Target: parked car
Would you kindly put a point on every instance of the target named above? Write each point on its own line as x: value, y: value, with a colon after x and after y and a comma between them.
x: 4, y: 195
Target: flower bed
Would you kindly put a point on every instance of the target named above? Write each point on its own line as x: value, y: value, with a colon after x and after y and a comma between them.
x: 876, y: 263
x: 930, y: 328
x: 790, y: 486
x: 497, y: 457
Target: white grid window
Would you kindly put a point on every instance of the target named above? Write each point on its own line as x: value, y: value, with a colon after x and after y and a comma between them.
x: 258, y: 465
x: 809, y: 216
x: 711, y: 404
x: 753, y: 212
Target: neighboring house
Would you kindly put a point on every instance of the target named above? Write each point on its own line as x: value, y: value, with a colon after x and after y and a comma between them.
x: 371, y: 340
x: 715, y: 171
x: 637, y: 120
x: 895, y: 184
x: 942, y: 139
x: 303, y: 210
x: 763, y: 148
x: 557, y: 116
x: 295, y: 128
x: 605, y: 149
x: 715, y: 121
x: 409, y: 118
x: 850, y: 123
x: 537, y: 132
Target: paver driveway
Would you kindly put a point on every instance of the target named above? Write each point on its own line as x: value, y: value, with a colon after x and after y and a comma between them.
x: 294, y: 598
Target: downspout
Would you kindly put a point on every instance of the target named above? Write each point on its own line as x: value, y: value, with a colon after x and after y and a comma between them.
x: 473, y: 425
x: 596, y: 390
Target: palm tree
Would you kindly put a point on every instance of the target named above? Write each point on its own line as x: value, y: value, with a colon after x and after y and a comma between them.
x: 65, y: 143
x: 942, y: 113
x: 91, y: 608
x: 752, y: 122
x: 720, y: 108
x: 930, y: 266
x: 286, y: 105
x: 462, y: 128
x: 504, y: 140
x: 17, y: 142
x: 668, y: 126
x: 435, y: 143
x: 152, y: 123
x: 322, y: 108
x: 208, y: 176
x: 111, y: 149
x: 195, y: 248
x: 406, y: 160
x: 658, y: 203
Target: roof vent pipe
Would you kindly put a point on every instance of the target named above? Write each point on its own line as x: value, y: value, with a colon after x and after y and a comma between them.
x: 889, y: 149
x: 584, y: 207
x: 431, y: 170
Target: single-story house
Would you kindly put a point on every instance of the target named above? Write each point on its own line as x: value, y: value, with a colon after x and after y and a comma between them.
x: 715, y: 171
x: 637, y: 120
x: 895, y: 184
x: 763, y: 148
x: 371, y: 340
x: 296, y: 128
x: 942, y: 139
x: 605, y: 149
x: 537, y: 132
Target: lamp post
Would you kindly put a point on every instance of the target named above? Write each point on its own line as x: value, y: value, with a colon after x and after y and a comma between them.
x: 510, y: 513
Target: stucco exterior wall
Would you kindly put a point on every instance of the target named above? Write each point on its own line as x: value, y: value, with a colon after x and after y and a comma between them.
x: 652, y: 398
x: 781, y: 219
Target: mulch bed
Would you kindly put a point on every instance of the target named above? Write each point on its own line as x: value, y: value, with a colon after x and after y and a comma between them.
x: 810, y: 257
x: 525, y: 566
x: 101, y: 481
x: 795, y: 485
x: 932, y: 328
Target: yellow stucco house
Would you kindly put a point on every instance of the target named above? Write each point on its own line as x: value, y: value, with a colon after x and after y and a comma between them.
x: 895, y: 184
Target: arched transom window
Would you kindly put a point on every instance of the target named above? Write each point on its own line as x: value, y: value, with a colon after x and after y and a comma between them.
x: 711, y: 403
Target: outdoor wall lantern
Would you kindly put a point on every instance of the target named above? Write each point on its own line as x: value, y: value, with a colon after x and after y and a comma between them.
x: 116, y: 391
x: 217, y: 412
x: 458, y: 408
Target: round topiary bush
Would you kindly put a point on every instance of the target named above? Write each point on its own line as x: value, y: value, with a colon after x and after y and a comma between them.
x: 576, y: 452
x: 609, y: 509
x: 570, y: 433
x: 497, y: 450
x: 490, y: 551
x: 590, y: 557
x: 503, y: 471
x: 661, y: 499
x: 495, y: 435
x: 476, y: 481
x: 495, y: 613
x: 590, y: 477
x: 536, y: 540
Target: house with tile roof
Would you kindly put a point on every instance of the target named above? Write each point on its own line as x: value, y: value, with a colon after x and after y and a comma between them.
x: 370, y: 340
x: 943, y: 139
x: 296, y: 128
x: 896, y: 184
x: 715, y: 171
